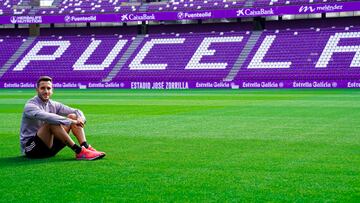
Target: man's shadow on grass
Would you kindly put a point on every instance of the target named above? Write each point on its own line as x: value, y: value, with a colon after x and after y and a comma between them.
x: 14, y: 161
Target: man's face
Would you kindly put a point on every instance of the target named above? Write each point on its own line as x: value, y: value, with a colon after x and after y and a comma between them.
x: 44, y: 90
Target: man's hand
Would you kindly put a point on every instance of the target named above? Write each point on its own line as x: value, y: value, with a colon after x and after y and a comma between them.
x: 78, y: 122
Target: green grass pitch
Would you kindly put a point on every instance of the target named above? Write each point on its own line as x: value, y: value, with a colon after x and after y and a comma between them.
x: 194, y: 146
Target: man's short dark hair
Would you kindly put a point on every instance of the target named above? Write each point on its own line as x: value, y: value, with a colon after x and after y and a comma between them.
x: 43, y: 78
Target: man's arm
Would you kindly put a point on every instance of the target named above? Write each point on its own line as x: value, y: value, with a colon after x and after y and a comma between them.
x: 65, y: 110
x: 32, y: 111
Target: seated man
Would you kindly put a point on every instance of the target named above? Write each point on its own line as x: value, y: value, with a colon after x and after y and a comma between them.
x: 46, y: 125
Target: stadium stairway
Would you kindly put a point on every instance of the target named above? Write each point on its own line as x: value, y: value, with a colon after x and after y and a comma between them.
x: 56, y: 2
x: 134, y: 44
x: 249, y: 3
x: 33, y: 11
x: 143, y: 7
x: 25, y: 3
x: 36, y: 9
x: 243, y: 55
x: 24, y: 46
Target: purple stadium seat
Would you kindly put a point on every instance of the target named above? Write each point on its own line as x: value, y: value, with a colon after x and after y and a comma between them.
x: 14, y: 7
x: 56, y: 56
x: 10, y: 44
x: 296, y: 54
x: 173, y: 59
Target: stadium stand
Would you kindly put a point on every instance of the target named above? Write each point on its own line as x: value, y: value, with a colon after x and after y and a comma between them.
x: 278, y: 55
x: 10, y: 44
x: 299, y: 48
x: 190, y: 5
x: 89, y: 6
x: 57, y: 56
x: 182, y: 5
x: 74, y: 7
x: 14, y: 7
x: 162, y: 61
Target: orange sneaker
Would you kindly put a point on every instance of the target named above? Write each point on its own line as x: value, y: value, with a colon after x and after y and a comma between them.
x: 94, y: 150
x: 86, y: 154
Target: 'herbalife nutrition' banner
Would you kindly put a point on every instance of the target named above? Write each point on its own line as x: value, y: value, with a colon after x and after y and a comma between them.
x: 157, y: 16
x: 196, y: 84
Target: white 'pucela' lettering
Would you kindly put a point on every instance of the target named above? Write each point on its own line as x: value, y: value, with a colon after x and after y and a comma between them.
x: 136, y: 64
x: 33, y: 55
x: 203, y: 50
x: 332, y: 47
x: 257, y: 60
x: 80, y: 63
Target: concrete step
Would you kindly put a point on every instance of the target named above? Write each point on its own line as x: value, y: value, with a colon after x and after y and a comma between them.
x: 125, y: 57
x: 243, y: 55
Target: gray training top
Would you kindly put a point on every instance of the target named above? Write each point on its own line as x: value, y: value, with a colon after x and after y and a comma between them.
x: 37, y: 113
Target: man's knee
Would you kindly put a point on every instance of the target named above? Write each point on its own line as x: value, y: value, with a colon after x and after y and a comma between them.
x: 72, y: 116
x: 48, y: 126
